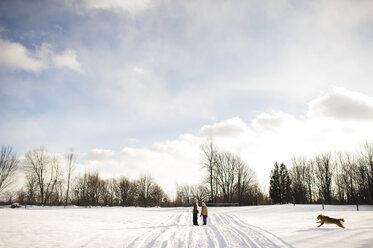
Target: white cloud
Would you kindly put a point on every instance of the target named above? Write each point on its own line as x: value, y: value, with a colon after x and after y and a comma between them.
x: 163, y: 70
x: 140, y: 90
x: 67, y: 60
x: 99, y: 154
x: 16, y: 56
x: 343, y: 105
x: 273, y: 121
x: 231, y: 128
x: 130, y: 6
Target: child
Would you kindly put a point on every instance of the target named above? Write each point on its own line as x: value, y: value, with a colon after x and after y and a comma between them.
x: 195, y: 212
x: 204, y: 213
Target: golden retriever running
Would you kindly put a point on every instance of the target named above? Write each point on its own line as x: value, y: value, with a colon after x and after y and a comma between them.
x: 328, y: 220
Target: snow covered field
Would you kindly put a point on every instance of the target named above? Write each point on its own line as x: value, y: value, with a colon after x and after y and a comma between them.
x: 260, y: 226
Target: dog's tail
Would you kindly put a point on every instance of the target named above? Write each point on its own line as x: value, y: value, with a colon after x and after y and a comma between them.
x: 342, y: 220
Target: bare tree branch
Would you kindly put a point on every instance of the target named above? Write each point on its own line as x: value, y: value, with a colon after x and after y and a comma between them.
x: 8, y: 166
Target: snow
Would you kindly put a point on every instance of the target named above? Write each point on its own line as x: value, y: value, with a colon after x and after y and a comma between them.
x: 258, y: 226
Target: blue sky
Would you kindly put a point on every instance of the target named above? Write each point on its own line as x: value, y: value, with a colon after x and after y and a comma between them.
x: 116, y: 75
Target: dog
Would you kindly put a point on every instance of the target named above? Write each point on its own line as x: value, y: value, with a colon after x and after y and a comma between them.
x: 328, y: 220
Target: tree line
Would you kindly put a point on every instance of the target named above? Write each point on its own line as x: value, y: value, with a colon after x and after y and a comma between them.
x: 331, y: 178
x: 49, y: 181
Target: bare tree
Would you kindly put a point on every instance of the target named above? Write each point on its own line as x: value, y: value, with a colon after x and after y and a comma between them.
x: 71, y: 156
x: 89, y: 189
x: 348, y: 174
x: 200, y: 192
x: 46, y: 169
x: 309, y: 180
x: 298, y: 179
x: 367, y: 158
x: 254, y: 196
x: 324, y: 173
x: 57, y: 195
x: 127, y: 191
x: 95, y: 188
x: 111, y: 185
x: 339, y: 178
x: 363, y: 181
x: 209, y: 152
x: 8, y: 166
x: 80, y: 190
x: 157, y: 194
x: 132, y: 193
x: 345, y: 177
x: 145, y: 188
x: 104, y: 194
x: 245, y: 180
x: 184, y: 194
x: 226, y: 169
x: 21, y: 197
x: 31, y: 188
x: 124, y: 187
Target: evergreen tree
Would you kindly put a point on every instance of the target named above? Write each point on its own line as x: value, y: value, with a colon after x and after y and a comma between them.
x: 285, y: 184
x: 275, y: 190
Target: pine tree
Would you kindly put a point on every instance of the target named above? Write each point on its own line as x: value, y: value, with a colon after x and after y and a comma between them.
x: 275, y: 191
x: 285, y: 184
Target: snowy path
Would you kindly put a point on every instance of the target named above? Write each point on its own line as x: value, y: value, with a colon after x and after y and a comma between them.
x: 223, y: 230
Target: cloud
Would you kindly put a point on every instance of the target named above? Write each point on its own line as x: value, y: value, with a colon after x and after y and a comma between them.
x: 273, y: 121
x: 67, y: 60
x: 269, y: 51
x: 15, y: 56
x: 141, y: 90
x: 343, y: 105
x: 231, y: 128
x: 130, y: 6
x: 99, y: 154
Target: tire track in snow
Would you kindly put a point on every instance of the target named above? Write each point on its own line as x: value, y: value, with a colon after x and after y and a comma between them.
x: 216, y: 234
x: 222, y: 230
x: 176, y: 238
x: 234, y: 237
x: 263, y: 235
x: 177, y: 231
x: 250, y: 237
x: 214, y: 239
x: 151, y: 238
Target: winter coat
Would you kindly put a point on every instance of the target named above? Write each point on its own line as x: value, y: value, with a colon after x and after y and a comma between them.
x: 195, y: 208
x: 204, y: 211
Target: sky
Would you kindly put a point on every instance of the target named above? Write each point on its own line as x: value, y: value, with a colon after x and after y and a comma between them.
x: 137, y: 86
